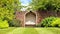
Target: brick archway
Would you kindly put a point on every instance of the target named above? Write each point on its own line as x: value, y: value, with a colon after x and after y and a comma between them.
x: 30, y: 18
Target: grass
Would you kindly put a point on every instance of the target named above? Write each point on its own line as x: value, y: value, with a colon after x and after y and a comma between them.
x: 30, y: 31
x: 6, y: 30
x: 19, y: 30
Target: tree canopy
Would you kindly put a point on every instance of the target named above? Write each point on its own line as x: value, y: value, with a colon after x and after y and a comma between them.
x: 8, y: 8
x: 45, y: 4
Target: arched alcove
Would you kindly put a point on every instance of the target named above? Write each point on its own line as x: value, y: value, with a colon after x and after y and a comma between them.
x: 30, y: 18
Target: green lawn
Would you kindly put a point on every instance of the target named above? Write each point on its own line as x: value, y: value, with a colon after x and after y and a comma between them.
x: 19, y: 30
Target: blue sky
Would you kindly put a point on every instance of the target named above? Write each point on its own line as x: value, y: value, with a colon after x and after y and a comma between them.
x: 25, y: 2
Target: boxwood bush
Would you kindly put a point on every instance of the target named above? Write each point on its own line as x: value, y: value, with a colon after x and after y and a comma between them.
x: 47, y: 22
x: 56, y: 23
x: 15, y: 23
x: 4, y: 24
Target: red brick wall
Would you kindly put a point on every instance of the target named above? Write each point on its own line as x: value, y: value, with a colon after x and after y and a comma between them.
x: 45, y: 14
x: 40, y: 15
x: 20, y: 16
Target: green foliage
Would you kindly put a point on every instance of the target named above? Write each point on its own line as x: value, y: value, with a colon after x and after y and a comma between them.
x: 45, y: 4
x: 47, y: 22
x: 15, y: 23
x: 56, y: 23
x: 4, y: 24
x: 7, y: 8
x: 50, y: 22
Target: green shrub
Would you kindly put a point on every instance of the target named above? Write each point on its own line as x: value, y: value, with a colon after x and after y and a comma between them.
x: 47, y: 22
x: 15, y: 23
x: 56, y: 23
x: 4, y: 24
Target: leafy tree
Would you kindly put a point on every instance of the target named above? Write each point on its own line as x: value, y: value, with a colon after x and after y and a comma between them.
x: 8, y: 8
x: 46, y: 5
